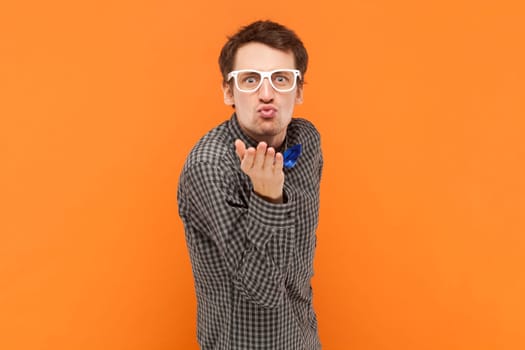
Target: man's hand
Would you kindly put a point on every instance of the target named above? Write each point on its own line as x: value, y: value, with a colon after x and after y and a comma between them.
x: 264, y: 167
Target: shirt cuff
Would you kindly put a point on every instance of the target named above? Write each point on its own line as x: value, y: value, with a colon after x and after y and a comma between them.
x: 268, y: 218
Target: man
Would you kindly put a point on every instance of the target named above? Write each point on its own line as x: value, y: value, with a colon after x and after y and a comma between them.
x: 249, y: 214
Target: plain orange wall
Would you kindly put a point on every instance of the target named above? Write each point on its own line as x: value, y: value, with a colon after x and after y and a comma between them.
x: 421, y: 109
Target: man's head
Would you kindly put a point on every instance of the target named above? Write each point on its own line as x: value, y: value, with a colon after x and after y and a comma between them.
x: 269, y: 33
x: 264, y: 103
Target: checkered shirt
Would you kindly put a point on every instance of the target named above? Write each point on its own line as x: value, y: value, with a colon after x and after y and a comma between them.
x: 251, y: 259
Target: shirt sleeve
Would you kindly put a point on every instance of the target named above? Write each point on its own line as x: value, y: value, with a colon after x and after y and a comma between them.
x: 254, y: 237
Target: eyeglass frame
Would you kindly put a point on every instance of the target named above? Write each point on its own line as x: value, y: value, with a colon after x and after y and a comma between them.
x: 233, y: 74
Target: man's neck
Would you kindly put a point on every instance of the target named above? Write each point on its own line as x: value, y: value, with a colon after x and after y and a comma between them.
x: 278, y: 143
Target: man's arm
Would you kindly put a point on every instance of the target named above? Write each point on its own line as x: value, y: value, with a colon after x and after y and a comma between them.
x: 242, y: 232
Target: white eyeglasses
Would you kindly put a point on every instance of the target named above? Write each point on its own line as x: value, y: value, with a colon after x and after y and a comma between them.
x: 250, y: 80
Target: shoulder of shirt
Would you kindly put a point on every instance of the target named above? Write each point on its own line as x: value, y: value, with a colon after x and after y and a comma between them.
x: 304, y: 129
x: 214, y: 149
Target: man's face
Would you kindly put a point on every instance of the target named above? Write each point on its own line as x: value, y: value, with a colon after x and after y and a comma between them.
x: 265, y: 113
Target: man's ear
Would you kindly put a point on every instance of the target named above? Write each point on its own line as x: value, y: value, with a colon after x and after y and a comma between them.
x: 299, y: 96
x: 228, y: 94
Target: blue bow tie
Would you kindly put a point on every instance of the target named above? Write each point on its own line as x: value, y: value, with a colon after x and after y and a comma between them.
x: 291, y: 155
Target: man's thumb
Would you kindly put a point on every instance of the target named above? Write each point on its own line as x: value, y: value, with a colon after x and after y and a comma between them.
x: 240, y: 148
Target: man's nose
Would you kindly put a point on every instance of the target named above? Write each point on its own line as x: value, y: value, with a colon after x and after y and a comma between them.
x: 266, y: 91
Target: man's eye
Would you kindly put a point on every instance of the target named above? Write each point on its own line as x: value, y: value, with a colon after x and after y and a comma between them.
x: 281, y: 79
x: 250, y: 79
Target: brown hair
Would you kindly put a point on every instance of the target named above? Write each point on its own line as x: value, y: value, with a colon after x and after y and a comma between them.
x: 269, y: 33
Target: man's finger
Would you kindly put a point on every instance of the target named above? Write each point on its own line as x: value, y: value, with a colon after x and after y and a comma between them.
x: 269, y: 158
x: 258, y: 163
x: 248, y: 159
x: 279, y: 161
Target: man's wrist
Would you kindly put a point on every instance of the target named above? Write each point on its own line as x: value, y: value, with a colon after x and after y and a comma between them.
x: 276, y: 200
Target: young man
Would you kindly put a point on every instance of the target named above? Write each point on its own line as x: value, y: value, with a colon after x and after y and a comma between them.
x: 250, y: 215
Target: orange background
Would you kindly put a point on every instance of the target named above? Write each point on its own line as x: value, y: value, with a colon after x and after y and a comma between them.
x: 421, y: 108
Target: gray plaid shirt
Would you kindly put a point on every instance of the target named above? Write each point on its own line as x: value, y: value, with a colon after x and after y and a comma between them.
x: 251, y: 259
